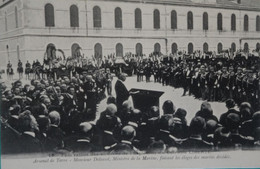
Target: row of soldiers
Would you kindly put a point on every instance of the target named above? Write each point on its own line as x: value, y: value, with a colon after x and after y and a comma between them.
x: 212, y: 82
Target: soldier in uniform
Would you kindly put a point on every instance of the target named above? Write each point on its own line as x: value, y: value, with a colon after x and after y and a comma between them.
x: 148, y: 72
x: 232, y: 78
x: 202, y: 82
x: 239, y: 86
x: 156, y: 72
x: 10, y: 71
x: 27, y: 70
x: 187, y: 74
x: 89, y: 87
x: 210, y: 79
x: 109, y: 79
x: 224, y: 84
x: 20, y: 69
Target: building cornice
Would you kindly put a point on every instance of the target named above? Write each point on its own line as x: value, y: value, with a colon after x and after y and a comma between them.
x: 189, y: 3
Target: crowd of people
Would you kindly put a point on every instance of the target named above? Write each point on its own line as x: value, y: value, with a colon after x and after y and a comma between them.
x: 60, y: 115
x: 208, y: 78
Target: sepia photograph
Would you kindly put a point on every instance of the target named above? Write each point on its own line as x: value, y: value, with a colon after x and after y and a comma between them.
x: 130, y: 83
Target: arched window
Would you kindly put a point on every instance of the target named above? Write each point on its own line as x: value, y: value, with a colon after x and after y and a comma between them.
x: 205, y: 47
x: 219, y: 22
x: 119, y: 50
x: 97, y: 17
x: 75, y: 50
x: 98, y: 51
x: 190, y: 20
x: 74, y: 16
x: 118, y: 18
x: 233, y: 48
x: 246, y: 47
x: 220, y: 47
x: 18, y: 52
x: 174, y: 19
x: 258, y: 47
x: 246, y: 23
x: 190, y: 48
x: 139, y: 49
x: 157, y: 48
x: 6, y: 28
x: 138, y: 18
x: 156, y: 19
x: 174, y: 48
x: 233, y: 22
x: 49, y: 15
x: 51, y: 51
x: 16, y: 17
x: 258, y: 23
x: 205, y: 21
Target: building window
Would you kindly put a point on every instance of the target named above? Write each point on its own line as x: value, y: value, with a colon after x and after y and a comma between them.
x: 18, y: 52
x: 139, y: 49
x: 16, y: 17
x: 246, y: 48
x: 205, y: 21
x: 119, y: 50
x: 246, y: 23
x: 75, y: 50
x: 6, y: 28
x: 138, y: 18
x: 118, y: 18
x: 205, y: 47
x: 156, y: 19
x: 97, y: 17
x: 74, y: 16
x: 190, y: 48
x: 233, y: 22
x: 258, y: 23
x: 49, y: 15
x: 233, y: 48
x: 174, y: 48
x: 220, y: 47
x: 258, y: 47
x: 157, y: 48
x: 174, y: 19
x: 190, y: 20
x: 98, y: 51
x: 219, y: 22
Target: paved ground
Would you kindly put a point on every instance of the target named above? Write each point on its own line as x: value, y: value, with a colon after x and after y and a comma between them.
x: 190, y: 104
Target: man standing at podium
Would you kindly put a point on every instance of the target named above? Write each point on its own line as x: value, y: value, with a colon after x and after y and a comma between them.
x: 122, y: 94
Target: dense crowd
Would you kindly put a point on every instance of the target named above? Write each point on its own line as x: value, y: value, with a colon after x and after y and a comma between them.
x: 59, y: 115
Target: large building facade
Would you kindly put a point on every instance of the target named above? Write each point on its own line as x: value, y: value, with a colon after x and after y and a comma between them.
x: 31, y: 28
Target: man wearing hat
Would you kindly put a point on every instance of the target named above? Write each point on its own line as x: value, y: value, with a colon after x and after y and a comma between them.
x: 122, y: 94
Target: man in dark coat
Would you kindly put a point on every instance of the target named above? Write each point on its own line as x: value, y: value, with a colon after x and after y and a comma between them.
x: 122, y: 94
x: 28, y: 143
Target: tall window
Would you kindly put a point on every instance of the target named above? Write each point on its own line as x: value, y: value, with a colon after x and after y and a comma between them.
x: 138, y: 18
x: 233, y: 48
x: 49, y: 15
x: 97, y: 17
x: 139, y: 49
x: 98, y: 51
x: 246, y: 23
x: 174, y: 19
x: 190, y: 48
x: 205, y: 47
x: 220, y: 47
x: 246, y: 47
x: 16, y: 17
x: 190, y: 20
x: 219, y: 22
x: 6, y: 28
x: 205, y: 21
x: 119, y: 50
x: 174, y: 48
x: 258, y: 47
x: 233, y: 22
x: 258, y: 23
x: 156, y: 19
x: 74, y: 16
x: 157, y: 48
x: 118, y: 18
